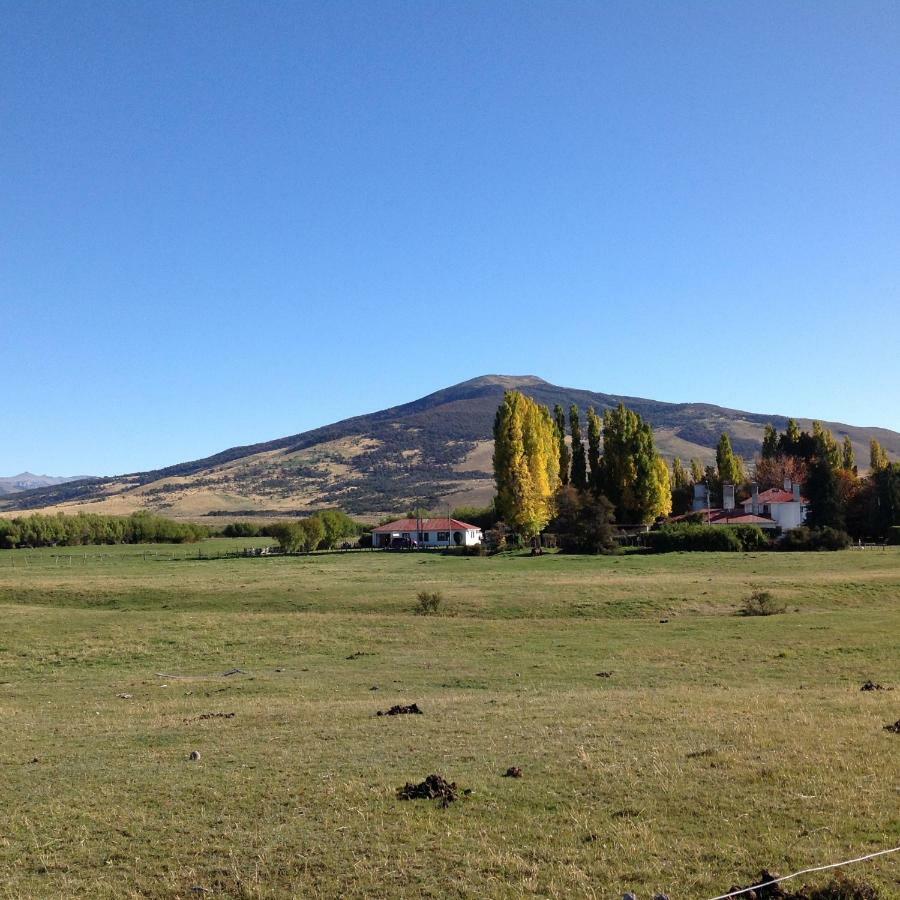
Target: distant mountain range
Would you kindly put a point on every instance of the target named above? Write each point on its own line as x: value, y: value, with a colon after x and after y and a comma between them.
x: 434, y: 452
x: 26, y: 481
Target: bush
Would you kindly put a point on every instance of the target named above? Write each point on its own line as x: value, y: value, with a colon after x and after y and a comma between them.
x: 241, y: 529
x: 752, y: 537
x: 803, y: 538
x: 428, y: 602
x: 893, y: 535
x: 722, y: 538
x: 472, y: 550
x: 761, y: 603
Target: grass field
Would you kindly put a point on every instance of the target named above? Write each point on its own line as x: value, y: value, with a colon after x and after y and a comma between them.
x: 716, y: 745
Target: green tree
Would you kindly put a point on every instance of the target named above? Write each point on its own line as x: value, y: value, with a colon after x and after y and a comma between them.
x: 848, y: 457
x: 312, y: 533
x: 770, y: 442
x: 823, y: 487
x: 878, y: 458
x: 526, y: 463
x: 579, y: 462
x: 697, y: 473
x: 682, y: 492
x: 565, y: 455
x: 337, y: 526
x: 595, y: 434
x: 583, y: 522
x: 288, y: 534
x: 635, y: 477
x: 729, y: 468
x: 826, y: 444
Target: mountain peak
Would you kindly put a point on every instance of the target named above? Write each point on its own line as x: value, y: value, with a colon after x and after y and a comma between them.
x: 507, y: 382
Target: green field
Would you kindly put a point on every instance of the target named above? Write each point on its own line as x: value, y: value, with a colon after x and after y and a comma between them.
x: 717, y: 745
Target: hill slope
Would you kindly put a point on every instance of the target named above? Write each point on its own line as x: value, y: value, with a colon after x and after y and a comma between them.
x: 435, y: 451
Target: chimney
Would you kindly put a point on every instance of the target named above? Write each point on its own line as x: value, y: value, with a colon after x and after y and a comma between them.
x: 700, y: 497
x: 754, y: 499
x: 787, y: 484
x: 796, y: 489
x: 727, y: 497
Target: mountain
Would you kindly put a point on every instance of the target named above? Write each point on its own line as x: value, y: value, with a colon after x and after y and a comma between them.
x: 434, y: 452
x: 26, y: 481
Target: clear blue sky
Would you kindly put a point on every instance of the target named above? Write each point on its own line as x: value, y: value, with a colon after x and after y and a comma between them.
x: 224, y: 222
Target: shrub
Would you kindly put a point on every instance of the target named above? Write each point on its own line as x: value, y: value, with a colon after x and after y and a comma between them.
x: 471, y: 550
x: 761, y: 603
x: 428, y: 602
x: 803, y: 538
x: 893, y: 535
x: 752, y: 537
x: 671, y: 538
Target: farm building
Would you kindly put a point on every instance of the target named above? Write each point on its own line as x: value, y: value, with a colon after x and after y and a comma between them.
x: 440, y: 532
x: 776, y: 508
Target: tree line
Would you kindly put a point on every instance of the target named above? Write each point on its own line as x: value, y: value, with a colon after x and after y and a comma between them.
x: 323, y: 531
x: 552, y: 472
x: 39, y: 530
x: 544, y: 471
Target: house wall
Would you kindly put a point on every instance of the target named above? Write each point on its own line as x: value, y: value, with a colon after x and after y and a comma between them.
x: 468, y: 538
x: 787, y: 515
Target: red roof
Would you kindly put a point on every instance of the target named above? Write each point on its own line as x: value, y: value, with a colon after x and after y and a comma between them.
x: 727, y: 517
x: 775, y: 495
x: 410, y: 525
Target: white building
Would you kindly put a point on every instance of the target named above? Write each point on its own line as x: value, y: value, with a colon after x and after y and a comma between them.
x: 775, y: 508
x: 785, y: 507
x: 426, y: 533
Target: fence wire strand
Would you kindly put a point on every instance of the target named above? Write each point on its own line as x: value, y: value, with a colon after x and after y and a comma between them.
x: 836, y: 865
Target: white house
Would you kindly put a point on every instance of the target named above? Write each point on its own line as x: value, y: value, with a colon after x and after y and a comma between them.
x: 427, y: 533
x: 775, y: 508
x: 786, y: 507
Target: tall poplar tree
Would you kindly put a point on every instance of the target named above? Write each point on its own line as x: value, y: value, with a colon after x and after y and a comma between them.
x: 635, y: 477
x: 595, y: 434
x: 878, y: 458
x: 565, y: 455
x: 697, y: 473
x: 848, y: 457
x: 826, y: 445
x: 770, y: 442
x: 526, y: 463
x: 579, y: 463
x: 730, y: 468
x: 681, y: 488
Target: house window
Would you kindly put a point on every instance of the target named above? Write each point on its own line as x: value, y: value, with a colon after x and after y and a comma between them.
x: 443, y: 536
x: 423, y: 537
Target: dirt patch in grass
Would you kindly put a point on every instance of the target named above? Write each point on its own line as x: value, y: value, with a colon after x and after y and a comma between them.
x: 513, y: 772
x: 212, y: 715
x: 894, y: 727
x: 397, y: 710
x: 874, y: 686
x: 434, y: 787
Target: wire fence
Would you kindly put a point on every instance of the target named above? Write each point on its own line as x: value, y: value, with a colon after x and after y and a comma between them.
x: 837, y: 865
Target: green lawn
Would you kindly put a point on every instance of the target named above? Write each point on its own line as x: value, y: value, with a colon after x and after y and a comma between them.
x: 717, y: 745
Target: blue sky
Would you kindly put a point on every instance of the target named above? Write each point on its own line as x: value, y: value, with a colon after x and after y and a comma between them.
x: 225, y: 222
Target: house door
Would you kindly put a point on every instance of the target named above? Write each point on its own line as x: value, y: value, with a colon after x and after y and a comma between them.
x: 457, y: 538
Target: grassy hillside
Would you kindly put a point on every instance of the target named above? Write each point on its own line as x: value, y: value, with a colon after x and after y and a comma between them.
x: 434, y: 452
x: 713, y: 746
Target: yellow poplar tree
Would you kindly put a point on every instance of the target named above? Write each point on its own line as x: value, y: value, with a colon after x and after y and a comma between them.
x: 526, y: 463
